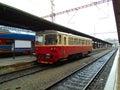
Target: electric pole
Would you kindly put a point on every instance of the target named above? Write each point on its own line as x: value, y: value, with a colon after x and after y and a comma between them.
x: 52, y: 10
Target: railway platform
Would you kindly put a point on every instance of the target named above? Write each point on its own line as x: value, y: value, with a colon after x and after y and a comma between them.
x: 8, y: 65
x: 113, y: 82
x: 118, y: 74
x: 17, y: 60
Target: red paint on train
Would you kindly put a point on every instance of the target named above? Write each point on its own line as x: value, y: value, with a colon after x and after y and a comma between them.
x: 2, y: 41
x: 51, y: 54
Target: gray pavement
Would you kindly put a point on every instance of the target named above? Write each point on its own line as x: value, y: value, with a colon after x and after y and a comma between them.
x: 16, y: 60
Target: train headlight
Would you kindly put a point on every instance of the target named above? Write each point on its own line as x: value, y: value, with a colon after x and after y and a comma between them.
x: 36, y: 49
x: 48, y: 56
x: 53, y: 49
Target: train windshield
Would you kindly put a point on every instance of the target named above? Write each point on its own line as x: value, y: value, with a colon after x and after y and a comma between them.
x: 40, y: 40
x: 50, y: 39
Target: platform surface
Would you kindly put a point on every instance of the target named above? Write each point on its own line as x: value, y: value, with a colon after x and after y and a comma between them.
x: 118, y: 74
x: 113, y: 82
x: 16, y: 60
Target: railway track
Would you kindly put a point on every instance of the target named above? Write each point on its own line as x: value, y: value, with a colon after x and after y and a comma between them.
x: 20, y: 73
x: 24, y: 72
x: 83, y: 77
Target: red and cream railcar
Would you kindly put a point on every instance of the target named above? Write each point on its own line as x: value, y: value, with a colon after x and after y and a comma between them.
x: 52, y: 46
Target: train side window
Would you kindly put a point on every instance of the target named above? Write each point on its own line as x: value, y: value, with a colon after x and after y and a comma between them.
x: 88, y: 42
x: 69, y: 40
x: 59, y: 36
x: 79, y: 42
x: 85, y: 42
x: 72, y: 41
x: 64, y: 40
x: 82, y: 42
x: 75, y: 41
x: 9, y: 41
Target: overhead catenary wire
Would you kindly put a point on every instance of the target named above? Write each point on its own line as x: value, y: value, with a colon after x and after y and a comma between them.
x: 78, y: 8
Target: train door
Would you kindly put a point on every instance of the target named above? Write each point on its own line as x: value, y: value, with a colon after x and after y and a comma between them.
x: 64, y: 48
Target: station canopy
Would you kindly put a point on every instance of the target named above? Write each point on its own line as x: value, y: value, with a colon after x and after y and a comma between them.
x: 10, y: 16
x: 116, y: 5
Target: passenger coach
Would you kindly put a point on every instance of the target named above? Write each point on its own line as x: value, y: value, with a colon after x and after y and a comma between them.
x: 52, y: 46
x: 15, y: 40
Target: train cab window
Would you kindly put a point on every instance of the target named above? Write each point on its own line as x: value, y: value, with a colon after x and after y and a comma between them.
x: 39, y: 40
x: 51, y: 39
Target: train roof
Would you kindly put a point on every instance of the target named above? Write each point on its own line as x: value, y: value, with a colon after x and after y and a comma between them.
x: 49, y: 32
x: 55, y: 31
x: 17, y: 36
x: 3, y: 30
x: 7, y: 29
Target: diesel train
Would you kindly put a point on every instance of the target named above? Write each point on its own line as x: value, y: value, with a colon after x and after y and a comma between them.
x: 52, y: 46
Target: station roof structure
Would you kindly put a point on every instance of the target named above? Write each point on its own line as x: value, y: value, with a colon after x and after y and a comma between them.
x: 116, y: 5
x: 10, y: 16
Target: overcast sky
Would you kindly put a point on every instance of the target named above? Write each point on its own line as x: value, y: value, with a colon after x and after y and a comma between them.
x: 96, y: 20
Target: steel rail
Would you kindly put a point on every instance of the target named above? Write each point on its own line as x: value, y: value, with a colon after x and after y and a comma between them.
x: 68, y: 81
x: 24, y: 72
x: 20, y: 73
x: 102, y: 67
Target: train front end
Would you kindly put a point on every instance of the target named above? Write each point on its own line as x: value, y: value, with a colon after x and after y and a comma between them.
x: 46, y: 49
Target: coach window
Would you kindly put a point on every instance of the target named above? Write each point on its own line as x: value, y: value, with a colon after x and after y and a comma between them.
x: 85, y: 42
x: 71, y: 41
x: 59, y: 36
x: 64, y: 40
x: 82, y: 42
x: 74, y: 41
x: 68, y: 40
x: 88, y: 42
x: 9, y: 41
x: 79, y: 42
